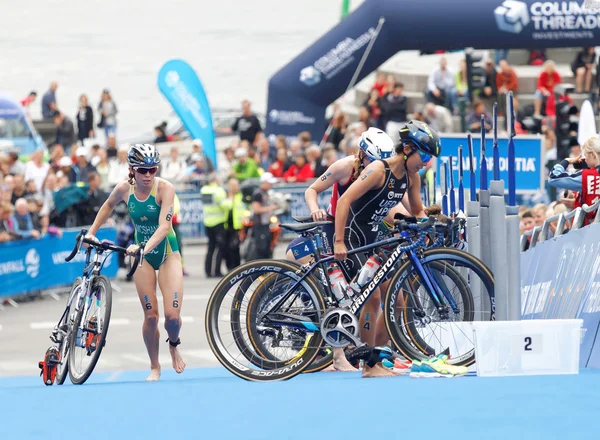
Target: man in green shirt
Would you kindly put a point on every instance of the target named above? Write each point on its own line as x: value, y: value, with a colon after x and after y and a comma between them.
x: 245, y: 167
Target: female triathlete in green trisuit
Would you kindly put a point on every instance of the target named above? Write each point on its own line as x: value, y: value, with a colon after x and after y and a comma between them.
x: 150, y: 201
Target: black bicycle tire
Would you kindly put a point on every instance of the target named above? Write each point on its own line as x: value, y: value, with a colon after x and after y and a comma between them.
x: 212, y: 311
x: 434, y: 254
x: 411, y: 337
x: 96, y: 355
x: 66, y: 341
x: 315, y: 366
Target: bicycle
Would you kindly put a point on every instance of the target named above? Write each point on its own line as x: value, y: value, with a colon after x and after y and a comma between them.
x: 263, y: 342
x: 76, y: 329
x: 311, y: 316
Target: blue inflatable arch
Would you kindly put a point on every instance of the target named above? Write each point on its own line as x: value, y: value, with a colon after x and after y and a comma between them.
x: 301, y: 91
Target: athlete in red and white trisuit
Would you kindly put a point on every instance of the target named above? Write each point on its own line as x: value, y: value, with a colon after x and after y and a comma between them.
x: 374, y: 144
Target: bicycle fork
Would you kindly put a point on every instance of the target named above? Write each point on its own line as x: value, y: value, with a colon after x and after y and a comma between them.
x: 437, y: 290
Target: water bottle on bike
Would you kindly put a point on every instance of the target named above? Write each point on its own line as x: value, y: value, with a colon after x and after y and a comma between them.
x: 365, y: 274
x: 339, y: 286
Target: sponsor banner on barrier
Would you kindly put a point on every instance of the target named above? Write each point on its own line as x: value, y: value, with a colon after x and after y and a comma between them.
x: 31, y: 265
x: 529, y: 160
x: 561, y: 280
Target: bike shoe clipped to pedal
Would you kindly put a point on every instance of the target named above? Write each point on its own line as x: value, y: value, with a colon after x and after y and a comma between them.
x: 49, y: 365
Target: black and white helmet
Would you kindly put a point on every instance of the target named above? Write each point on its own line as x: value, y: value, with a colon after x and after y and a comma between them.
x: 376, y: 144
x: 143, y: 155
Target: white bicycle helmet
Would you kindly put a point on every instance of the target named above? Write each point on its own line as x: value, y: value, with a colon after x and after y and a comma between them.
x: 376, y: 144
x: 143, y: 155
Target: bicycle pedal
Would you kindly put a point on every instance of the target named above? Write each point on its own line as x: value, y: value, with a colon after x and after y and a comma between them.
x: 49, y: 365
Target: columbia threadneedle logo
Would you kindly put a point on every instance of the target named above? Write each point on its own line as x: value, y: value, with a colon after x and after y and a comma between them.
x: 512, y: 16
x: 310, y: 76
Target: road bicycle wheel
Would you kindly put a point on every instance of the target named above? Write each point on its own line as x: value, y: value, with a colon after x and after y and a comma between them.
x: 65, y: 343
x: 418, y: 338
x: 264, y: 344
x: 88, y: 339
x: 306, y: 303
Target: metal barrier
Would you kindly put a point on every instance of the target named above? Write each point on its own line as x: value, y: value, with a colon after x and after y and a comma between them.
x: 541, y: 233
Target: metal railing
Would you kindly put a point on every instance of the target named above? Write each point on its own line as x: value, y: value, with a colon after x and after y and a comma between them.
x: 541, y: 233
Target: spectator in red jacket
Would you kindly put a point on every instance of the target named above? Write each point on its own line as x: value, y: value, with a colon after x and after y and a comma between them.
x: 545, y: 86
x: 300, y: 171
x: 281, y: 164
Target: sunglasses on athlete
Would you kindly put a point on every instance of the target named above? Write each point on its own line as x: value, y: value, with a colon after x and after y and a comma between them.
x: 144, y: 171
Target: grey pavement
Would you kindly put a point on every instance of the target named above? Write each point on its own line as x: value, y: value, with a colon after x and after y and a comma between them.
x: 24, y: 330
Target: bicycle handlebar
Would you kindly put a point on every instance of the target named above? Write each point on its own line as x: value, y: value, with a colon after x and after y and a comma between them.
x: 106, y: 246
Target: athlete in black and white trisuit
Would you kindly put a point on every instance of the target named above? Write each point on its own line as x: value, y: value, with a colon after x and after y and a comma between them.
x: 368, y: 201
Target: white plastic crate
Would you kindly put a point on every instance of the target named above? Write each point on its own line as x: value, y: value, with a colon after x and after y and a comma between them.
x: 530, y: 347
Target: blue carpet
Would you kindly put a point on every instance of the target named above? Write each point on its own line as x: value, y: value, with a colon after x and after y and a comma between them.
x: 213, y: 404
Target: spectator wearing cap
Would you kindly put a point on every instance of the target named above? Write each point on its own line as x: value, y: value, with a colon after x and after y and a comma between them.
x: 118, y: 168
x: 65, y: 131
x: 244, y: 167
x: 262, y: 208
x: 300, y: 171
x: 247, y: 125
x: 197, y: 148
x: 49, y: 101
x: 85, y: 120
x: 21, y: 221
x: 173, y: 167
x: 108, y: 113
x: 80, y: 171
x: 196, y: 173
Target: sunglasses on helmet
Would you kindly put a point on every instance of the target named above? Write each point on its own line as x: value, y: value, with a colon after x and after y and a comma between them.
x: 144, y: 171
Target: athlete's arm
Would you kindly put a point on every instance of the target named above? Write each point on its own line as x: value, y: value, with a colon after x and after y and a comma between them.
x: 116, y: 196
x: 166, y: 216
x: 372, y: 177
x: 414, y: 196
x: 335, y: 173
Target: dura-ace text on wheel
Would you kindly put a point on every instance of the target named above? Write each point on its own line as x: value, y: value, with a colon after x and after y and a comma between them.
x: 294, y: 326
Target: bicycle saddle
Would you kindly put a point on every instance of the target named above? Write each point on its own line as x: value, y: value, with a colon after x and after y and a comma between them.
x: 301, y: 227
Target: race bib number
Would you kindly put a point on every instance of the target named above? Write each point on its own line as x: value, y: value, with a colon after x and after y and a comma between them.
x: 303, y: 249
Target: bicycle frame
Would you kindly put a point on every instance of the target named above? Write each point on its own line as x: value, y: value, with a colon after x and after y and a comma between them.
x: 361, y: 298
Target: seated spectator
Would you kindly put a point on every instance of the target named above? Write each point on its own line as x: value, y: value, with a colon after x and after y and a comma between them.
x: 490, y: 89
x: 197, y: 148
x: 21, y: 221
x: 19, y: 189
x: 461, y: 83
x: 173, y: 167
x: 281, y: 163
x: 548, y: 78
x: 96, y: 198
x: 300, y: 171
x: 80, y: 171
x: 582, y: 68
x: 6, y: 234
x: 65, y: 131
x: 364, y: 116
x: 474, y: 118
x: 197, y: 172
x: 118, y: 168
x: 440, y: 86
x: 438, y: 117
x: 160, y: 135
x: 380, y: 84
x: 506, y: 81
x: 537, y: 57
x: 36, y: 169
x: 327, y: 159
x: 393, y: 111
x: 244, y: 168
x: 265, y: 154
x: 372, y: 104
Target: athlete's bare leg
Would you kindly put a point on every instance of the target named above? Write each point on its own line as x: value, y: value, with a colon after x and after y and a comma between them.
x: 171, y: 285
x: 340, y: 363
x: 377, y: 371
x: 368, y: 318
x: 145, y: 284
x: 304, y: 260
x: 381, y: 334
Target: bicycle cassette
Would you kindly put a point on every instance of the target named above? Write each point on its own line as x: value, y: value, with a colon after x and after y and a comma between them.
x: 339, y: 328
